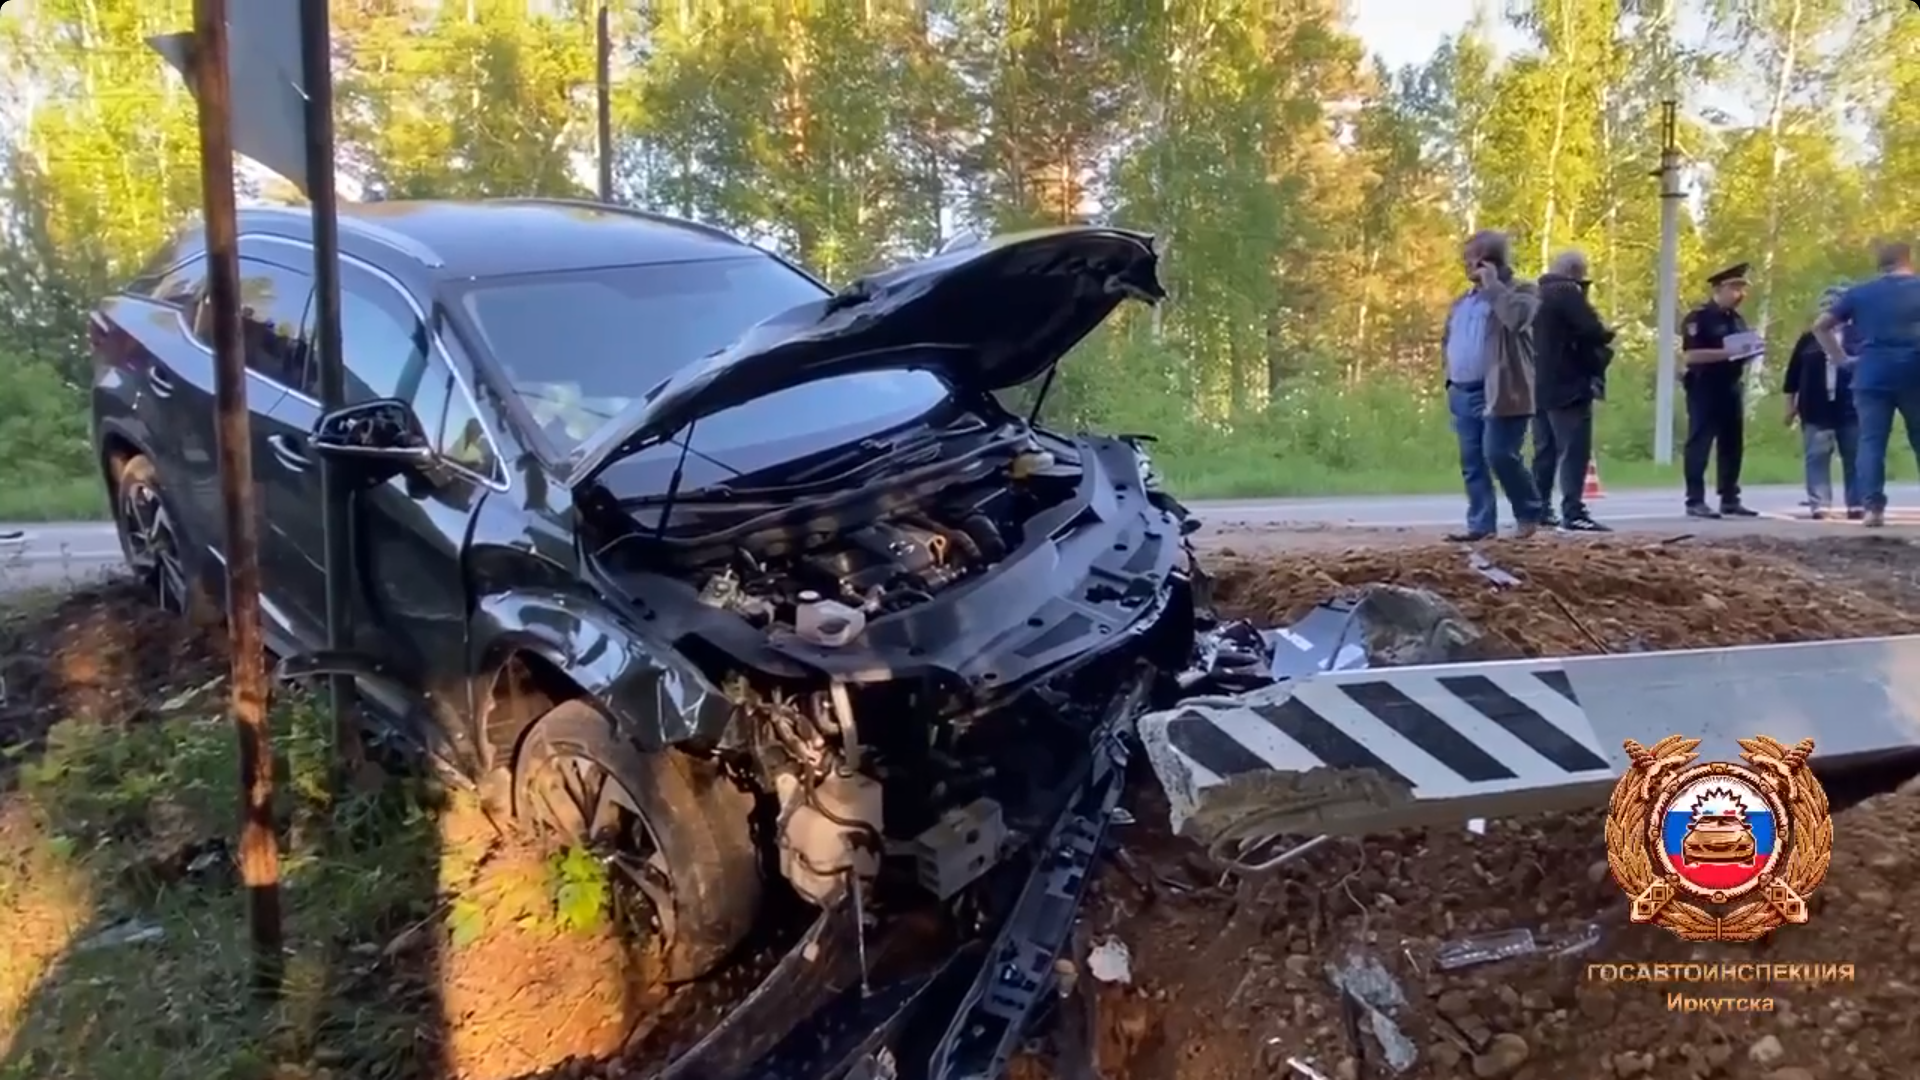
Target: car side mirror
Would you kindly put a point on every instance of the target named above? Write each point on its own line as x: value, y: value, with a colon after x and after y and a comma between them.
x: 383, y: 432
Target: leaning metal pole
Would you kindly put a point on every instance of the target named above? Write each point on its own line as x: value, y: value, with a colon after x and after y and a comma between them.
x: 259, y: 847
x: 1669, y: 302
x: 316, y: 72
x: 603, y: 98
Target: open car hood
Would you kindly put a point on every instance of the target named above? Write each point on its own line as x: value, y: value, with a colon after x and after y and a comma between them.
x: 984, y: 317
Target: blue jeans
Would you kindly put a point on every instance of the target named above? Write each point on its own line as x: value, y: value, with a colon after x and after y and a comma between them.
x: 1489, y: 450
x: 1820, y: 444
x: 1876, y: 409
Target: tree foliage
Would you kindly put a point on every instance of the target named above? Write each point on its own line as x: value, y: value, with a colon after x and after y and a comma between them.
x: 1309, y: 201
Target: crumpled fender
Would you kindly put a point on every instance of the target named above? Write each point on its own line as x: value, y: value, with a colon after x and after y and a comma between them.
x: 656, y: 697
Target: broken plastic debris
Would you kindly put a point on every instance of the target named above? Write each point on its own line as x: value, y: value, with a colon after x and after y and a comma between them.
x: 131, y: 933
x: 1238, y: 653
x: 1488, y: 570
x: 1365, y: 984
x: 1110, y: 961
x: 1477, y: 826
x: 1305, y: 1069
x: 186, y: 697
x: 1509, y: 945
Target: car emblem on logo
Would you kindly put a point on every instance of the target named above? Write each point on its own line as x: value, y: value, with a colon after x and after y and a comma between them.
x: 1718, y: 851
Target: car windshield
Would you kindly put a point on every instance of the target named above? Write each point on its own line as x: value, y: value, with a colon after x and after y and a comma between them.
x: 577, y: 347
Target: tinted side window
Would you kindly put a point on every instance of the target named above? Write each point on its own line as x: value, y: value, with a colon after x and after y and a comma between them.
x: 383, y: 343
x: 273, y: 320
x: 463, y: 438
x: 387, y: 354
x: 146, y: 282
x: 179, y: 287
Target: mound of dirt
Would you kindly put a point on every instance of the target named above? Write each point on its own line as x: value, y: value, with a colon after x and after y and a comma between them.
x: 1235, y: 978
x: 104, y: 653
x: 1613, y: 595
x: 1232, y: 984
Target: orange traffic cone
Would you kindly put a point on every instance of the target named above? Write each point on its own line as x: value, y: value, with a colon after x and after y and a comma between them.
x: 1592, y: 490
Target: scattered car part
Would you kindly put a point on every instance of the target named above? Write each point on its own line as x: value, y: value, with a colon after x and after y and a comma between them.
x: 1486, y: 569
x: 1372, y: 997
x: 1501, y: 945
x: 1019, y: 968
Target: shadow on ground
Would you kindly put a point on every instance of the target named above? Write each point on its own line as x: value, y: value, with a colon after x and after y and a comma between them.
x: 422, y: 943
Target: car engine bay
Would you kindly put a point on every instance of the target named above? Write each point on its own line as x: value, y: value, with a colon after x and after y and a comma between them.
x: 909, y: 685
x: 825, y: 589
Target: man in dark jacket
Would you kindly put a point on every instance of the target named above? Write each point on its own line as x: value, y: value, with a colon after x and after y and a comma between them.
x: 1572, y: 349
x: 1820, y: 400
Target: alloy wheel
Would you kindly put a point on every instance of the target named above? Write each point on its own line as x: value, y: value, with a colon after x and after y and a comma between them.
x: 152, y: 544
x: 575, y: 802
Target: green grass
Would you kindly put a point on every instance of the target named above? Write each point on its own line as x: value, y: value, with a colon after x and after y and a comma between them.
x: 1215, y: 477
x: 73, y: 499
x: 128, y: 955
x: 113, y: 830
x: 1364, y: 440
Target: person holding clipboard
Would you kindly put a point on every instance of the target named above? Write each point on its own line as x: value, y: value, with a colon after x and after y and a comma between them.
x: 1716, y: 347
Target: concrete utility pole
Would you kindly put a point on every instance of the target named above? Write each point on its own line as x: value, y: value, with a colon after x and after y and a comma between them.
x: 1669, y: 304
x: 233, y: 441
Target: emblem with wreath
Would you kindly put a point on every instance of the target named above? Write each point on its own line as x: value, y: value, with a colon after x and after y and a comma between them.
x: 1803, y: 843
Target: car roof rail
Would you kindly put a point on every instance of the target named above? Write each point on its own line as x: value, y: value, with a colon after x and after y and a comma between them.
x: 634, y: 212
x: 396, y: 240
x: 361, y: 227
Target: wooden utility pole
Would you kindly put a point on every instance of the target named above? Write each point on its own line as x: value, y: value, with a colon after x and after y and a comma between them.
x: 259, y: 846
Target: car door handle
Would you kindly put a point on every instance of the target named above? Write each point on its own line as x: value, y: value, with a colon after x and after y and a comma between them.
x: 287, y: 450
x: 161, y: 382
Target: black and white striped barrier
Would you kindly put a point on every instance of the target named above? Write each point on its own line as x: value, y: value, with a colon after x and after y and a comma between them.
x: 1387, y: 748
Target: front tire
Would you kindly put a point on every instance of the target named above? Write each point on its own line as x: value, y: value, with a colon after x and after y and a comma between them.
x: 675, y: 835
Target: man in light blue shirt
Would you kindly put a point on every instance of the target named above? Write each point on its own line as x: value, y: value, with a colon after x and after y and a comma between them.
x: 1488, y: 343
x: 1883, y: 316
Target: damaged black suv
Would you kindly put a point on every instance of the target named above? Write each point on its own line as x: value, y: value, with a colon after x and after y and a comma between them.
x: 667, y: 548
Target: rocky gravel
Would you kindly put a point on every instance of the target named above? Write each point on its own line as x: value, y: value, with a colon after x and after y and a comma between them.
x: 1239, y: 977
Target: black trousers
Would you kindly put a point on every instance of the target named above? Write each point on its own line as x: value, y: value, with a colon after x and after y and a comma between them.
x: 1716, y: 424
x: 1562, y: 446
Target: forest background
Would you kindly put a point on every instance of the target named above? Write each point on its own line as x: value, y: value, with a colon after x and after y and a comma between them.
x: 1310, y: 201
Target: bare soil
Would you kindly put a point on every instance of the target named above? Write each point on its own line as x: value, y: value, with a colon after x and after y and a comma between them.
x: 1231, y: 977
x: 1610, y: 595
x: 518, y: 997
x: 102, y: 651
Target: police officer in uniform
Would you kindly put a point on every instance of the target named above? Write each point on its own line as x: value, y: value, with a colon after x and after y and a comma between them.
x: 1714, y: 379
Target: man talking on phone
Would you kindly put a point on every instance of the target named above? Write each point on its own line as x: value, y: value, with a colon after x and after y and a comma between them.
x: 1488, y: 345
x: 1716, y: 347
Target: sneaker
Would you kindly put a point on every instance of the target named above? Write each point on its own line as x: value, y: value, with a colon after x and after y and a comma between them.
x: 1550, y: 521
x: 1583, y: 524
x: 1817, y: 514
x: 1854, y: 513
x: 1875, y: 519
x: 1737, y: 509
x: 1468, y: 537
x: 1524, y: 529
x: 1702, y: 510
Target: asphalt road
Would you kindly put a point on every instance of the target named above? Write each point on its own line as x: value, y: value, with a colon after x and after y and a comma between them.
x: 56, y: 553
